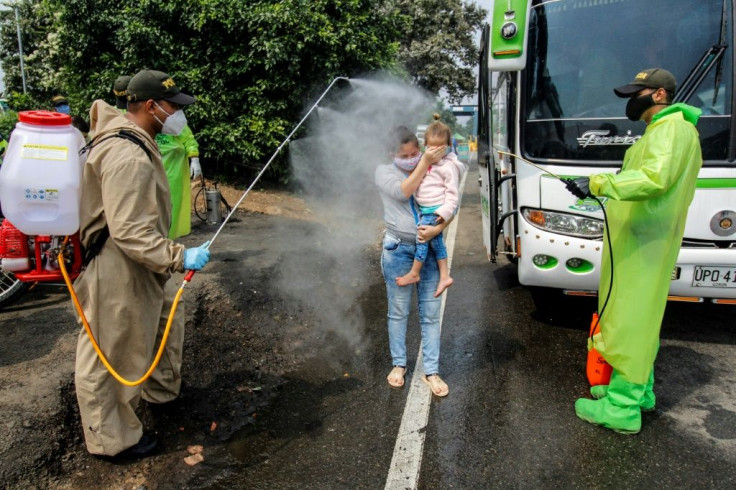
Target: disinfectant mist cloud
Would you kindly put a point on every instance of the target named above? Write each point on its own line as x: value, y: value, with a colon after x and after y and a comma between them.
x: 333, y: 165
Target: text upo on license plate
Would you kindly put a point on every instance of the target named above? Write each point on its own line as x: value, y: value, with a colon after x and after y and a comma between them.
x: 714, y: 277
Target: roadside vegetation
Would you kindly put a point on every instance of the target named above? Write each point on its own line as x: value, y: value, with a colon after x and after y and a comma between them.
x: 253, y: 66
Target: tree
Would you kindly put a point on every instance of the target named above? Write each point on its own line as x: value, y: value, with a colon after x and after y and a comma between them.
x: 34, y: 27
x: 252, y: 65
x: 438, y: 48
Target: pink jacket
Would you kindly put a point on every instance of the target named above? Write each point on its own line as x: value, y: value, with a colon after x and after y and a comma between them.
x: 439, y: 187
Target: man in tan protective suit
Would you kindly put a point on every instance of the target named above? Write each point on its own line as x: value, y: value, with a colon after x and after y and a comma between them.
x: 126, y: 290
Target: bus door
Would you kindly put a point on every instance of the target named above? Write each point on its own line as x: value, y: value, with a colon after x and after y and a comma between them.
x: 495, y: 164
x: 486, y: 166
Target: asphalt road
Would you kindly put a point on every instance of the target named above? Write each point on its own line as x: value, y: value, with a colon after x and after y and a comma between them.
x: 514, y: 376
x: 509, y: 418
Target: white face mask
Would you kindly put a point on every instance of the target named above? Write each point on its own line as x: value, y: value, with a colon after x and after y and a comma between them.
x: 174, y: 124
x: 408, y: 164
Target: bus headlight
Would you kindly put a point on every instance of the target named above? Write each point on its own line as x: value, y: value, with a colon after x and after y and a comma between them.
x: 564, y: 223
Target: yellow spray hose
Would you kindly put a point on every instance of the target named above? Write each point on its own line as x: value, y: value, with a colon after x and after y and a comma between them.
x: 100, y: 354
x: 189, y: 274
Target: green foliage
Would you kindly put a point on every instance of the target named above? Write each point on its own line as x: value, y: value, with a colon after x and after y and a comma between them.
x: 34, y: 28
x: 7, y: 123
x: 438, y: 48
x: 253, y: 66
x: 22, y: 102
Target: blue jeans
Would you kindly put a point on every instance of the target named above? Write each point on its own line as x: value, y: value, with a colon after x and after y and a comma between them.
x: 396, y: 260
x: 437, y: 243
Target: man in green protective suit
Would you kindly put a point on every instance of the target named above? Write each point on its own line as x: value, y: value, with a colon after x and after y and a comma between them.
x: 647, y: 208
x: 180, y: 154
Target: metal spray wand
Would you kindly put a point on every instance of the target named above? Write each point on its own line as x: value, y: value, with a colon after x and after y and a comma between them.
x: 190, y: 274
x: 500, y: 152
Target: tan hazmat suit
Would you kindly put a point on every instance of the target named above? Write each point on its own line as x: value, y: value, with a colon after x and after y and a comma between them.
x: 126, y: 291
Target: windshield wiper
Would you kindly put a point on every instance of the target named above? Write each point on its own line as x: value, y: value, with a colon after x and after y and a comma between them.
x: 712, y: 55
x: 699, y: 72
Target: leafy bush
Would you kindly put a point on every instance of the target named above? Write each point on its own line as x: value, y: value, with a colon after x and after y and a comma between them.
x: 253, y: 66
x: 7, y: 123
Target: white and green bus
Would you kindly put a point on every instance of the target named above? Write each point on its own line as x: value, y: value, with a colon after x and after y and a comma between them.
x: 546, y: 98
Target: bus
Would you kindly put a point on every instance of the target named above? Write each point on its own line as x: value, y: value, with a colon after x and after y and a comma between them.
x: 546, y: 104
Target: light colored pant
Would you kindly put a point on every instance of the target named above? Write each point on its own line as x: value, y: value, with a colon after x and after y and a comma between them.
x: 396, y: 260
x: 107, y: 407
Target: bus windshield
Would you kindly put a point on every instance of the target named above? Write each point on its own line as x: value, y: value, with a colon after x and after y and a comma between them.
x: 579, y: 50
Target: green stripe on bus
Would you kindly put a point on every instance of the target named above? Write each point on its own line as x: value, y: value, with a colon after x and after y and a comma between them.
x: 716, y: 183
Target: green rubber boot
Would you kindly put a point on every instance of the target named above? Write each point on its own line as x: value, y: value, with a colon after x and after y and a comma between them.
x: 598, y: 391
x: 648, y: 401
x: 618, y: 410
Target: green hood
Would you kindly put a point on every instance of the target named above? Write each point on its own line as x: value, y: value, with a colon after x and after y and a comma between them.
x: 689, y: 113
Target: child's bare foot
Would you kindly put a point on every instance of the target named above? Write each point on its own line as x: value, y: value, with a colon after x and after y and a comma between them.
x: 443, y: 284
x: 409, y: 278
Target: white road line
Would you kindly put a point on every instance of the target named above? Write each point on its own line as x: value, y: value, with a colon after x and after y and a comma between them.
x: 409, y: 449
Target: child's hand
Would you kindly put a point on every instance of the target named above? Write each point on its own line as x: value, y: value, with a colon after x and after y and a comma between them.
x: 434, y: 154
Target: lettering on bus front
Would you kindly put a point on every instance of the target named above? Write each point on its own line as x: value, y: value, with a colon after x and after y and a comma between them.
x: 599, y: 137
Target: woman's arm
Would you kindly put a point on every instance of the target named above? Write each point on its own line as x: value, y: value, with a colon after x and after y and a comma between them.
x: 431, y: 156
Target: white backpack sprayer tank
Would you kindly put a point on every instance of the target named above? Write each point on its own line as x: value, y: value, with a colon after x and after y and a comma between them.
x: 40, y: 178
x: 40, y: 192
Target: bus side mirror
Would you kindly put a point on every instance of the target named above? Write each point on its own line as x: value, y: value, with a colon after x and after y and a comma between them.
x: 508, y: 35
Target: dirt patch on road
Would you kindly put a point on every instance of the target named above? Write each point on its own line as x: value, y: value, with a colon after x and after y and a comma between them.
x: 243, y: 336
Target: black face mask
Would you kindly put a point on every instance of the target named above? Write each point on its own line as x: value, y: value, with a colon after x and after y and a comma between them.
x: 636, y: 106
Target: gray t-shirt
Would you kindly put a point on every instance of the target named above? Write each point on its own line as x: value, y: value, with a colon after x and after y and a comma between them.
x: 397, y: 212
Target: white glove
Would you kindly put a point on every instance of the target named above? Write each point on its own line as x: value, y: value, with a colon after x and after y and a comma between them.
x: 195, y: 169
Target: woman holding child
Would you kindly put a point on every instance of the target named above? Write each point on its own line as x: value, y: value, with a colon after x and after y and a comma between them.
x: 397, y: 182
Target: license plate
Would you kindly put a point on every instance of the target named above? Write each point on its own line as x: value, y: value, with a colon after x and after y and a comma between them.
x: 714, y: 277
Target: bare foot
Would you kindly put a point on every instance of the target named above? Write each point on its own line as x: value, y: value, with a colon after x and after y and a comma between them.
x: 409, y: 278
x: 443, y: 284
x: 438, y: 387
x: 396, y: 376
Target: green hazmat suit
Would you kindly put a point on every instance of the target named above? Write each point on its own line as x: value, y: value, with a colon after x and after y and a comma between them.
x: 175, y: 153
x: 647, y: 210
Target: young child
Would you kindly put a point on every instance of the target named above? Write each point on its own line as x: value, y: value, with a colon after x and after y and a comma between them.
x: 396, y: 184
x: 437, y: 198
